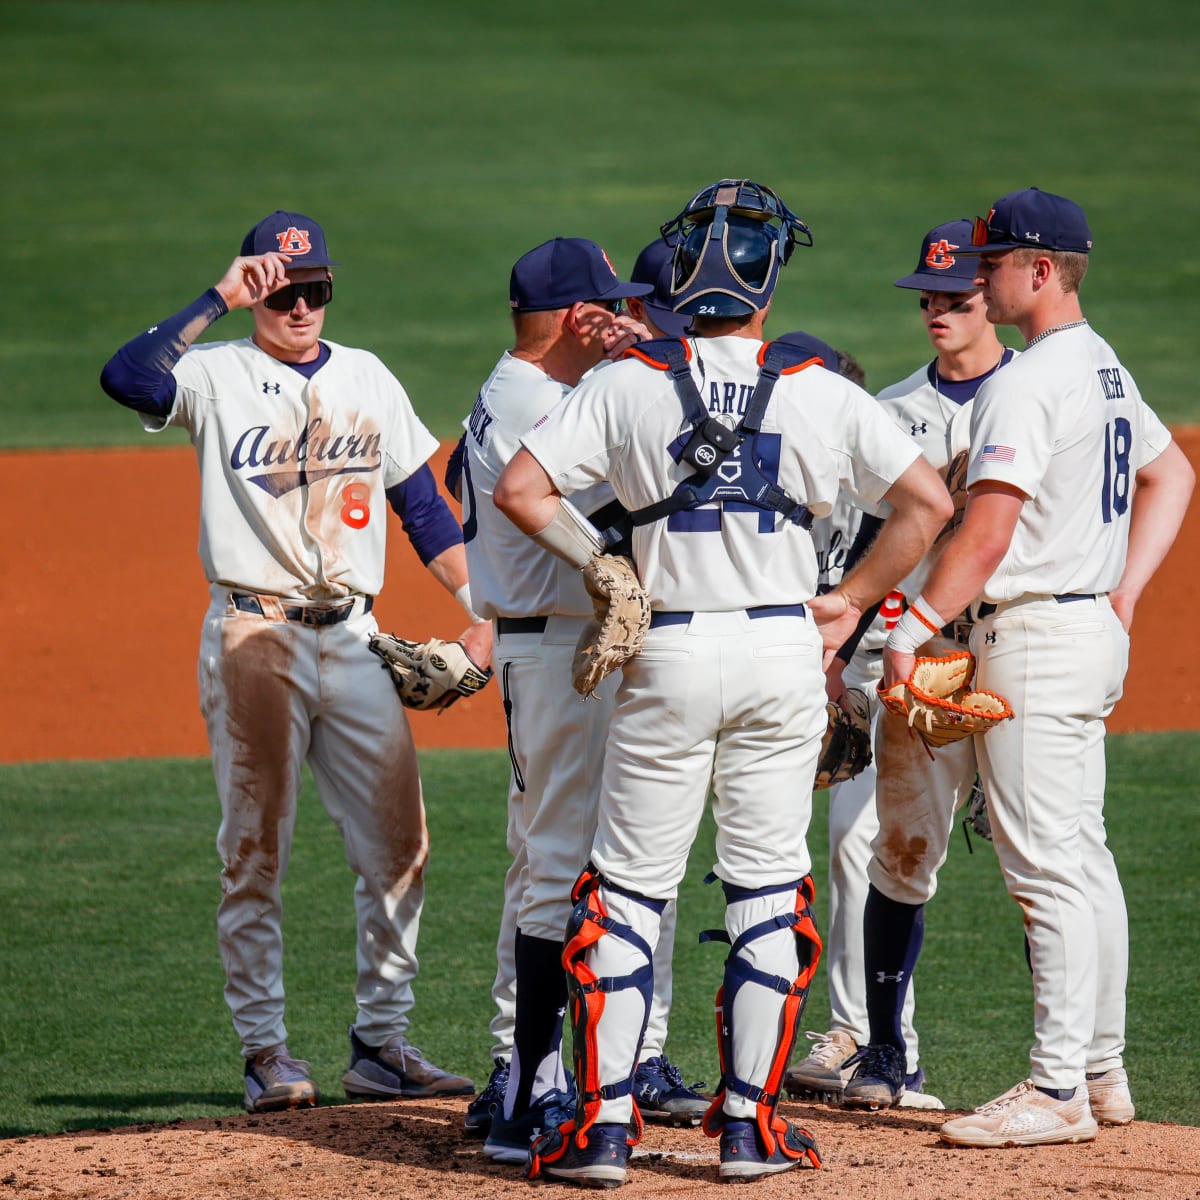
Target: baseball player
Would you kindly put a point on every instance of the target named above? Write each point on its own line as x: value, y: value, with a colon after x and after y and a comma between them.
x: 565, y: 298
x: 727, y: 689
x: 891, y: 824
x: 301, y: 443
x: 1075, y: 493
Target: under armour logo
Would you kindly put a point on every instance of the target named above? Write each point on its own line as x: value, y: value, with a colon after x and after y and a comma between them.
x: 919, y: 427
x: 990, y: 638
x: 883, y: 977
x: 1034, y: 237
x: 268, y: 388
x: 293, y: 241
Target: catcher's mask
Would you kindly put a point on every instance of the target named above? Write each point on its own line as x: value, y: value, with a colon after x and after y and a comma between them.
x: 733, y: 236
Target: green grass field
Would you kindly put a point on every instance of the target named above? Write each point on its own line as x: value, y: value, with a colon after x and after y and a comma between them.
x: 437, y: 143
x: 111, y: 1009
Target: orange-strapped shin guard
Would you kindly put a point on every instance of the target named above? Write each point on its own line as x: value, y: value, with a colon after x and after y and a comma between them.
x: 589, y: 922
x: 738, y: 972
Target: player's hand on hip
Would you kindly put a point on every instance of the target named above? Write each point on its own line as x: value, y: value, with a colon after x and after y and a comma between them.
x: 837, y: 617
x: 1123, y: 605
x: 250, y: 278
x: 477, y: 641
x: 897, y: 666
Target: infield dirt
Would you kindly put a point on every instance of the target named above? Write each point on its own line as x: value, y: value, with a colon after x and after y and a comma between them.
x: 103, y: 597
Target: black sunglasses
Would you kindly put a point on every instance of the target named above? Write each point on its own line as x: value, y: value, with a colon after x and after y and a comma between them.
x: 317, y: 293
x: 613, y: 306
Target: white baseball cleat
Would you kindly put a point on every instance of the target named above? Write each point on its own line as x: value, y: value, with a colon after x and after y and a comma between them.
x: 1109, y: 1098
x: 1024, y: 1116
x: 822, y: 1075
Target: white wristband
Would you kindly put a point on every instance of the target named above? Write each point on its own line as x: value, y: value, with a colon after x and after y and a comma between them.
x: 463, y: 596
x: 919, y: 623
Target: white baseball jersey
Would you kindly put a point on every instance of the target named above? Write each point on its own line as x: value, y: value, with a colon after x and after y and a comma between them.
x: 1071, y: 438
x: 510, y: 575
x: 942, y: 430
x: 819, y: 431
x: 293, y: 470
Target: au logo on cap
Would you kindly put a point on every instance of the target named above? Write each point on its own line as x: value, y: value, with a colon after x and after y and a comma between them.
x: 938, y: 256
x: 293, y: 241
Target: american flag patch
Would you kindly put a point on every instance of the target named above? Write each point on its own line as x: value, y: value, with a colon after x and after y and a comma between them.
x: 997, y: 453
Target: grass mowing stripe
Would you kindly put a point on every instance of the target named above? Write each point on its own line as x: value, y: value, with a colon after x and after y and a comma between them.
x: 110, y: 984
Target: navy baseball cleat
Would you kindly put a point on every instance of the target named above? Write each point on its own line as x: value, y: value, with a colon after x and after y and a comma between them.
x: 744, y: 1158
x: 878, y: 1079
x: 662, y: 1095
x: 396, y: 1071
x: 508, y: 1140
x: 598, y: 1159
x: 482, y: 1110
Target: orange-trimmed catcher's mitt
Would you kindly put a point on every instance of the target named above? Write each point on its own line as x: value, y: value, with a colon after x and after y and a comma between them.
x: 938, y: 704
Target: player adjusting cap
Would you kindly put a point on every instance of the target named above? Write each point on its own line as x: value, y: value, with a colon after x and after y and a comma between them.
x: 941, y: 267
x: 289, y: 233
x: 1035, y: 218
x: 656, y: 266
x: 565, y: 271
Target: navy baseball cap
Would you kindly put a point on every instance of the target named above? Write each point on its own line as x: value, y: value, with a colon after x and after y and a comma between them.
x: 293, y: 234
x: 941, y: 267
x: 655, y: 266
x: 564, y: 271
x: 813, y: 347
x: 1034, y: 218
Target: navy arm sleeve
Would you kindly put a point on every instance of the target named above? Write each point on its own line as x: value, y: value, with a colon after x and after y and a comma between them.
x: 139, y: 374
x: 428, y: 522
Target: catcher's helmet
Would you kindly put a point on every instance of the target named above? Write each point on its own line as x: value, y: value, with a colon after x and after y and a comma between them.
x: 730, y: 248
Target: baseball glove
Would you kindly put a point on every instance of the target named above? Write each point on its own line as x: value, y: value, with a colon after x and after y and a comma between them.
x: 937, y: 703
x: 846, y: 746
x: 622, y: 616
x: 432, y: 674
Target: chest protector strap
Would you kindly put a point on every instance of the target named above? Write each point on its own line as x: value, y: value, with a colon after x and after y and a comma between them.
x: 713, y: 444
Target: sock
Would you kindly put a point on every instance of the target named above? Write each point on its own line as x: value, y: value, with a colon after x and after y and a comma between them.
x: 1056, y: 1093
x: 892, y: 937
x: 537, y: 1034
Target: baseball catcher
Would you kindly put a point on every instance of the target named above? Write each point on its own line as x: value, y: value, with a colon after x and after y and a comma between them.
x: 846, y: 746
x: 432, y: 674
x: 938, y: 704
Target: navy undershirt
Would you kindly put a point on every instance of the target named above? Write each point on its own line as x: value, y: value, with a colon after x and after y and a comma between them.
x: 139, y: 377
x: 959, y: 391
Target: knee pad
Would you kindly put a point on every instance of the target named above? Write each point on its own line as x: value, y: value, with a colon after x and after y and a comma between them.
x: 740, y: 972
x: 590, y: 921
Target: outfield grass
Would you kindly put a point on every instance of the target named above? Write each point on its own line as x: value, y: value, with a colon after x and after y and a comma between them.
x: 439, y: 142
x: 111, y: 1009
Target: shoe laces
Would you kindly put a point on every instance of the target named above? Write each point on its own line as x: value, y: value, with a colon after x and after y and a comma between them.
x: 671, y: 1073
x: 283, y: 1066
x: 498, y: 1083
x: 826, y: 1049
x: 1013, y: 1096
x: 882, y: 1059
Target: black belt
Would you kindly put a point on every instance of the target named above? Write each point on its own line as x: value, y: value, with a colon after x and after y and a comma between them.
x: 763, y: 610
x: 520, y: 625
x: 305, y: 615
x: 986, y: 609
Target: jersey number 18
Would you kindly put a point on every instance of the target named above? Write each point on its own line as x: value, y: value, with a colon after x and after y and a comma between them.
x: 1118, y: 438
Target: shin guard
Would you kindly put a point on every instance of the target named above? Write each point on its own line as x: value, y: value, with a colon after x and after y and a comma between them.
x: 794, y: 913
x: 588, y: 989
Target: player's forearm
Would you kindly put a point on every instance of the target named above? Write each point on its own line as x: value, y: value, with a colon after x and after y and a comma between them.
x: 1160, y: 501
x: 525, y: 494
x: 139, y: 374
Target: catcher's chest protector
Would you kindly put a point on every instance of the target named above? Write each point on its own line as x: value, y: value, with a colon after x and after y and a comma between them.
x: 722, y: 471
